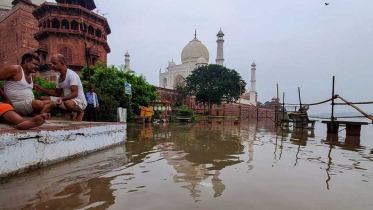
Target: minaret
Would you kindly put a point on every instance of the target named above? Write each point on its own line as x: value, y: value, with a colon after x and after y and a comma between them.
x: 220, y: 41
x: 252, y: 86
x: 127, y: 61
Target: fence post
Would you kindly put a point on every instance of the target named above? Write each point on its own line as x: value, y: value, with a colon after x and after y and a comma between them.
x: 283, y: 106
x: 276, y: 109
x: 332, y: 117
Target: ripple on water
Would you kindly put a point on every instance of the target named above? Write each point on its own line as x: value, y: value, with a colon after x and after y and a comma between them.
x: 214, y: 166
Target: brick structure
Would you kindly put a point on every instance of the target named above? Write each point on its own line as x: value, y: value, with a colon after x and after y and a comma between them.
x: 17, y: 29
x: 247, y: 111
x: 54, y: 28
x: 61, y: 28
x: 168, y: 95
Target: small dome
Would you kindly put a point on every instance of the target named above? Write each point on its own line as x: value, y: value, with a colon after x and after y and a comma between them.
x: 127, y: 54
x: 172, y: 63
x: 193, y: 50
x: 201, y: 60
x: 253, y: 64
x: 220, y: 32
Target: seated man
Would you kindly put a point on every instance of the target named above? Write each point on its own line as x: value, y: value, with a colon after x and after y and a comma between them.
x: 8, y: 115
x: 69, y: 83
x: 18, y: 87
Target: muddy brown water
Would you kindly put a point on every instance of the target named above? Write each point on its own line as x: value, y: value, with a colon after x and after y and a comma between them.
x: 208, y: 166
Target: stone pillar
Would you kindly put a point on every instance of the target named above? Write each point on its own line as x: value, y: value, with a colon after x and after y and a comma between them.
x: 127, y: 61
x: 220, y: 55
x: 252, y: 86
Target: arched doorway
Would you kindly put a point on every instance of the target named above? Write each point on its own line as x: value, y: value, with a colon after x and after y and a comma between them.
x: 164, y: 83
x: 179, y: 81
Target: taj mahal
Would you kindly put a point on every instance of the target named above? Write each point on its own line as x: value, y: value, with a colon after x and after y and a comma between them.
x: 193, y: 55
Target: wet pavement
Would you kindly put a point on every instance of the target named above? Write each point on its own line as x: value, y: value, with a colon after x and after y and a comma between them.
x: 50, y: 125
x: 207, y: 166
x: 53, y: 142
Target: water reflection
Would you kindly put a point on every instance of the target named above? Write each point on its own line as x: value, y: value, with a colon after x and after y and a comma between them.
x: 70, y: 185
x: 176, y: 164
x: 299, y: 137
x: 200, y: 154
x: 351, y: 143
x: 252, y: 130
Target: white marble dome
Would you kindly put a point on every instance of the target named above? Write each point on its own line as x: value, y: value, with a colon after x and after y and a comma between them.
x: 193, y: 50
x: 201, y: 60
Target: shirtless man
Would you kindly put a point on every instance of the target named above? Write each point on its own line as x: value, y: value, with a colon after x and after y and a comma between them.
x: 70, y: 85
x: 18, y: 87
x: 9, y: 116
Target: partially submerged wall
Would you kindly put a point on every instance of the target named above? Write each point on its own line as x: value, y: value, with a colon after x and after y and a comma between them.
x: 23, y: 151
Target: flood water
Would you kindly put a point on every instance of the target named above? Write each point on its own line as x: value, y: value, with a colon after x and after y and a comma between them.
x: 208, y: 166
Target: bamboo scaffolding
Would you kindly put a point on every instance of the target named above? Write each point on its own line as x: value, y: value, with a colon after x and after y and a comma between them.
x: 332, y: 117
x: 357, y: 108
x: 275, y: 108
x: 353, y: 103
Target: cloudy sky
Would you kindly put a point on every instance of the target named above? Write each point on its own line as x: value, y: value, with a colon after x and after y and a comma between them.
x: 295, y: 43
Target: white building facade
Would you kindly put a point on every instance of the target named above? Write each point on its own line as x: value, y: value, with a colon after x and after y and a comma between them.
x: 193, y: 55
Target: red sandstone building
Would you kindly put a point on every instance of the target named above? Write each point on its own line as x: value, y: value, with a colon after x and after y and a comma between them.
x: 53, y: 28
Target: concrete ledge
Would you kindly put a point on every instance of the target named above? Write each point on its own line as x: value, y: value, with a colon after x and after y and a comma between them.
x: 54, y: 142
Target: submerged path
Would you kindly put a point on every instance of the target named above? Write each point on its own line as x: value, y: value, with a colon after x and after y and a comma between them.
x: 207, y: 166
x: 55, y: 141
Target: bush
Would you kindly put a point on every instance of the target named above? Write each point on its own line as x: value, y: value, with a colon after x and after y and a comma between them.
x: 108, y: 84
x: 183, y: 111
x: 44, y: 84
x: 48, y: 86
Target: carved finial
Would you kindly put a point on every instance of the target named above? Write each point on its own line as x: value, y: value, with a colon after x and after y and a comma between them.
x: 195, y: 33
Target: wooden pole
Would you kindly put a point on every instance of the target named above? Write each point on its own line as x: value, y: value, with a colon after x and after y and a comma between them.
x: 283, y: 106
x: 266, y: 112
x: 300, y: 107
x: 300, y: 101
x: 87, y: 52
x: 248, y: 112
x: 257, y: 112
x: 239, y: 108
x: 276, y: 110
x: 332, y: 117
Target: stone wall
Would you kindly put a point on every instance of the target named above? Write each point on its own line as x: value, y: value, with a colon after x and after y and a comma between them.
x: 21, y: 32
x: 54, y: 142
x: 224, y: 109
x: 17, y: 29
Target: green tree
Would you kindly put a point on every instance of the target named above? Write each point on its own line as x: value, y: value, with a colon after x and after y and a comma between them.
x: 182, y: 94
x: 213, y: 84
x: 44, y: 84
x: 123, y: 67
x: 108, y: 83
x: 267, y: 103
